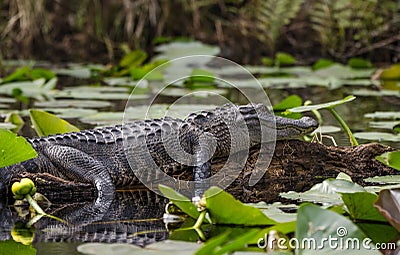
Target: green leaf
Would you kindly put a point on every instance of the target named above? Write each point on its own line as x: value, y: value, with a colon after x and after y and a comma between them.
x: 180, y: 201
x: 15, y: 248
x: 288, y: 102
x: 360, y: 206
x: 322, y: 63
x: 17, y: 75
x: 316, y: 225
x: 267, y: 61
x: 284, y: 59
x: 46, y: 123
x: 211, y: 245
x: 391, y: 73
x: 38, y: 73
x: 391, y: 159
x: 359, y: 63
x: 323, y: 106
x: 10, y: 144
x: 137, y: 73
x: 201, y: 76
x: 225, y: 209
x: 133, y: 59
x: 326, y: 192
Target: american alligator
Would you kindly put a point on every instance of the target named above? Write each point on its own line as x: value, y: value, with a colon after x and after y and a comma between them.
x: 99, y: 156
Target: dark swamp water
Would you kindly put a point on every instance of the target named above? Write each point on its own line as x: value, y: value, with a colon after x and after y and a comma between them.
x: 135, y: 216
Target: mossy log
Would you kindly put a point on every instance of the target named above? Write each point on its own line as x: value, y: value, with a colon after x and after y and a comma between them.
x: 298, y: 165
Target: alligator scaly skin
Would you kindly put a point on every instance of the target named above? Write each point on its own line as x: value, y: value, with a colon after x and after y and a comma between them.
x: 98, y: 156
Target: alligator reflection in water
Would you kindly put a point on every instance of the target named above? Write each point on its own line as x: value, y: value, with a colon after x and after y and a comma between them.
x: 131, y: 217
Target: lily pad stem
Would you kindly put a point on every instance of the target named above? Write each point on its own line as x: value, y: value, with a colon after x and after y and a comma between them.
x: 40, y: 211
x: 353, y: 140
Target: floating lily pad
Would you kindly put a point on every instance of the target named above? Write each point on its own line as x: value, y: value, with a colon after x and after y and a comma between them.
x: 64, y: 103
x: 119, y: 81
x: 8, y: 126
x: 384, y: 179
x: 34, y: 89
x: 100, y: 93
x: 384, y: 124
x: 344, y: 72
x: 182, y: 49
x: 377, y: 136
x: 69, y: 113
x: 383, y: 115
x: 326, y: 192
x: 160, y: 248
x: 374, y: 93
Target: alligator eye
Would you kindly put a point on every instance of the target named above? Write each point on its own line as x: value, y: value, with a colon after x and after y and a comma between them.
x: 200, y: 119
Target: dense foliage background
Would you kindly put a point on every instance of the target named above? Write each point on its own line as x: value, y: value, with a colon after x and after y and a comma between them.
x: 246, y: 30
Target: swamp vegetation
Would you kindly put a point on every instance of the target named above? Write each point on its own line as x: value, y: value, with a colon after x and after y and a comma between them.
x: 333, y: 60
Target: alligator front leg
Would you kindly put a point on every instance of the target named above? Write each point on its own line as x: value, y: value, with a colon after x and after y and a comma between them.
x: 79, y: 166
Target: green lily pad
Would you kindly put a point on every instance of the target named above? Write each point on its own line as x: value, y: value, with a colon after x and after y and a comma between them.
x: 10, y: 143
x: 274, y: 211
x: 182, y: 49
x: 391, y: 73
x: 322, y: 63
x: 391, y: 159
x: 384, y: 179
x: 4, y: 125
x: 383, y: 115
x: 15, y: 248
x: 377, y: 136
x: 360, y: 206
x: 184, y: 203
x: 326, y: 192
x: 166, y: 247
x: 232, y: 211
x: 70, y: 113
x: 390, y: 125
x: 35, y: 89
x: 66, y: 103
x: 48, y: 124
x: 315, y: 225
x: 344, y: 72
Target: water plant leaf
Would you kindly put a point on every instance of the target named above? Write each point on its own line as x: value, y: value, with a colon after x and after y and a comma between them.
x: 315, y: 225
x: 391, y: 159
x: 388, y: 205
x: 284, y: 59
x: 322, y: 63
x: 233, y: 211
x: 288, y: 102
x: 267, y: 61
x: 37, y: 73
x: 16, y: 248
x: 391, y: 73
x: 327, y: 192
x: 15, y: 119
x: 17, y: 75
x: 360, y: 206
x: 359, y: 63
x: 133, y: 59
x: 377, y: 136
x: 166, y: 247
x: 322, y: 106
x: 10, y: 143
x: 184, y: 203
x: 67, y: 103
x: 384, y: 179
x: 46, y: 123
x: 237, y: 243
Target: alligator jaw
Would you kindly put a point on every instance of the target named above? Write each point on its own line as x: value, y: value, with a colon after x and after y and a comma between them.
x: 291, y: 128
